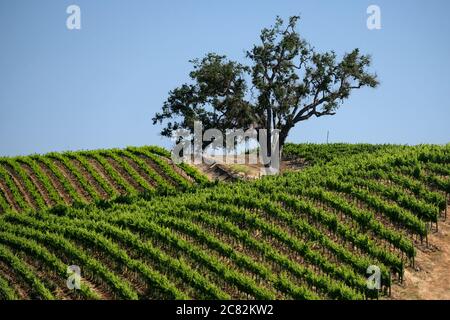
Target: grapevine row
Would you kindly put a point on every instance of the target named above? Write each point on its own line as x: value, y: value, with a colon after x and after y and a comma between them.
x: 57, y: 242
x: 64, y: 181
x: 21, y: 269
x: 31, y: 247
x: 18, y: 198
x: 27, y: 182
x: 54, y: 196
x: 102, y: 182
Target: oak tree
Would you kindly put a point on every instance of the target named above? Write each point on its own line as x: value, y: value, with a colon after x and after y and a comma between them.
x: 286, y: 81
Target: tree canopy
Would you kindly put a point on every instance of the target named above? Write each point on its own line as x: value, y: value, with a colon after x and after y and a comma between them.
x: 286, y: 81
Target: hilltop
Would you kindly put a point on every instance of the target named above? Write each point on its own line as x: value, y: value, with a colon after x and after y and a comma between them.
x: 308, y: 234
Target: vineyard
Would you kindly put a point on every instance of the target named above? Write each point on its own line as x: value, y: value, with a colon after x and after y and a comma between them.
x: 309, y: 234
x: 77, y: 178
x: 322, y: 153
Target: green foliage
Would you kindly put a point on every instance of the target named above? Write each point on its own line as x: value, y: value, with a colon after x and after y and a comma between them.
x: 309, y: 234
x: 14, y: 165
x: 286, y: 82
x: 6, y: 292
x: 17, y: 195
x: 15, y: 264
x: 73, y: 173
x: 322, y: 153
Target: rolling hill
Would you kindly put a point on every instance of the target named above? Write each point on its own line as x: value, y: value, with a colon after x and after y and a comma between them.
x: 42, y: 181
x: 309, y: 234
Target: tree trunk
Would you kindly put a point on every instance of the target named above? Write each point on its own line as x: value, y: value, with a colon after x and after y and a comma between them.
x: 283, y: 136
x: 269, y: 135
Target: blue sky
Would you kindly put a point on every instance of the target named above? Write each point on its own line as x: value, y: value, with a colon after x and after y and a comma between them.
x: 99, y: 87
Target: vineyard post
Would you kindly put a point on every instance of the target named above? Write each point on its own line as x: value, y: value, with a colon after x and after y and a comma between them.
x: 389, y: 288
x: 446, y: 205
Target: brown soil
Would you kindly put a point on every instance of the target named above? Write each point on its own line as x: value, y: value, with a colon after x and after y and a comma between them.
x: 158, y: 170
x: 14, y: 281
x: 102, y: 292
x: 72, y: 180
x: 55, y: 182
x: 429, y: 280
x: 101, y: 171
x: 8, y: 196
x: 89, y: 178
x: 227, y: 172
x: 39, y: 186
x: 213, y: 172
x: 138, y: 169
x: 51, y: 280
x: 22, y: 189
x: 293, y: 165
x: 125, y: 175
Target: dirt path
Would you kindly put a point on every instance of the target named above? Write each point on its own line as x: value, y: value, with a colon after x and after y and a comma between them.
x: 244, y: 170
x: 430, y: 279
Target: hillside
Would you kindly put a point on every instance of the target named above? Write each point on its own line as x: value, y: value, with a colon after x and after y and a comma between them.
x: 43, y: 181
x: 308, y: 234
